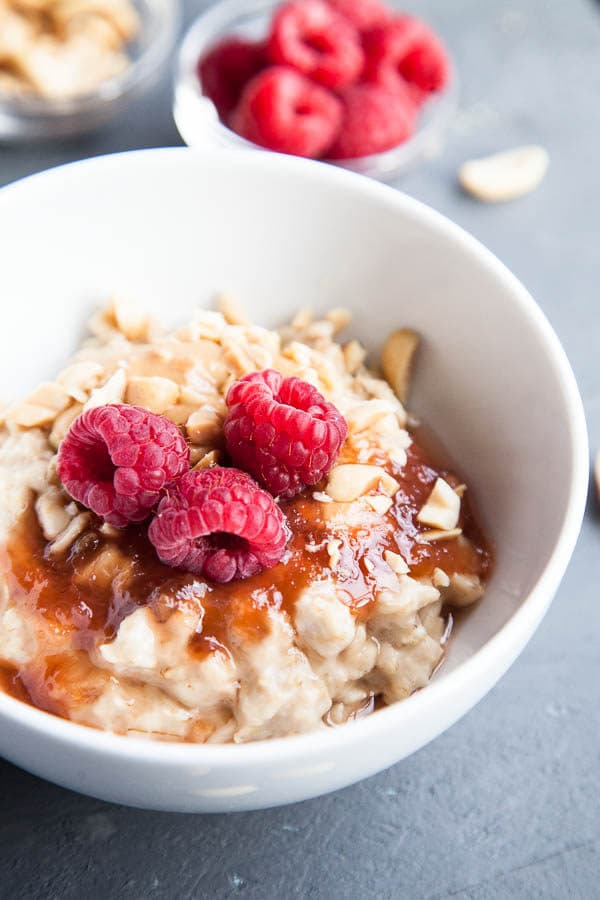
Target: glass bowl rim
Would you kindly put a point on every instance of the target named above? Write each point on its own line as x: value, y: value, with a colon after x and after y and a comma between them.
x: 196, y: 41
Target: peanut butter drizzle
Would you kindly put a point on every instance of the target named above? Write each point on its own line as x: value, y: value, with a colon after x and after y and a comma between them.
x: 86, y: 594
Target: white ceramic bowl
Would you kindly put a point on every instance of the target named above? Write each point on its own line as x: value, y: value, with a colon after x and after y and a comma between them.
x: 170, y: 227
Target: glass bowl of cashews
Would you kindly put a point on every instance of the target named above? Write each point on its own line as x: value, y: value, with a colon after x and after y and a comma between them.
x: 69, y: 66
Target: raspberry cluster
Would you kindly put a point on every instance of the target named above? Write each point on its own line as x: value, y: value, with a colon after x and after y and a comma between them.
x: 126, y: 464
x: 333, y: 78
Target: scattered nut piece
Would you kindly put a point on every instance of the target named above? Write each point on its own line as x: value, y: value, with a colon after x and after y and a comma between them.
x: 438, y: 534
x: 396, y: 562
x: 504, y: 176
x: 152, y: 392
x: 378, y: 503
x: 439, y: 578
x: 350, y: 481
x: 64, y: 540
x: 460, y: 489
x: 397, y: 358
x: 112, y: 391
x: 442, y: 508
x: 333, y: 550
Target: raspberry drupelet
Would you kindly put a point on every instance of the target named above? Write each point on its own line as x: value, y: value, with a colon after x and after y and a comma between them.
x: 220, y: 524
x: 116, y: 459
x: 282, y: 431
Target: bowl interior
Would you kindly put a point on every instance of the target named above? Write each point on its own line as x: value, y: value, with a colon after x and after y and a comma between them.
x: 172, y: 227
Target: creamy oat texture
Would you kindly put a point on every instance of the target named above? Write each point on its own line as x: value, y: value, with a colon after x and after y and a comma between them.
x: 316, y: 660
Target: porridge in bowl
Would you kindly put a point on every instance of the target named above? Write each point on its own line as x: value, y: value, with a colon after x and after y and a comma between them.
x: 226, y: 533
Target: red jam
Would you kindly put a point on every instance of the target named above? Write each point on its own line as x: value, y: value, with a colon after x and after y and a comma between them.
x: 89, y: 592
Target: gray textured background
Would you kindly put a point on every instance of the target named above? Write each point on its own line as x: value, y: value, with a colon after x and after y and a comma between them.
x: 507, y: 803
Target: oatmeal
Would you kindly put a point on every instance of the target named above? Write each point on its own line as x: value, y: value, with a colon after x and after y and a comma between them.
x: 346, y: 603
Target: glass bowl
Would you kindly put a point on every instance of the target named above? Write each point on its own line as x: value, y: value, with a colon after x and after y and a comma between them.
x: 30, y: 118
x: 199, y: 125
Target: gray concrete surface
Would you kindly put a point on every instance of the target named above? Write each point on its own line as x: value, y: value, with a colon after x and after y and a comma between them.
x: 507, y: 803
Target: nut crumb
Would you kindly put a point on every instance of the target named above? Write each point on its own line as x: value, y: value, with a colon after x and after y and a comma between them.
x: 439, y: 578
x: 504, y: 176
x: 396, y: 562
x: 439, y: 534
x: 333, y: 550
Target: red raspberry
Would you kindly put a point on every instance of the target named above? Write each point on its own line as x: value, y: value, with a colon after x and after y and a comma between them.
x: 312, y: 37
x: 282, y: 431
x: 284, y: 111
x: 363, y: 14
x: 218, y: 523
x: 375, y: 119
x: 225, y: 70
x: 117, y: 459
x: 406, y: 50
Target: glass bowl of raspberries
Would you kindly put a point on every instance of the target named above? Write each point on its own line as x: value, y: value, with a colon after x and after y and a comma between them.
x: 350, y: 82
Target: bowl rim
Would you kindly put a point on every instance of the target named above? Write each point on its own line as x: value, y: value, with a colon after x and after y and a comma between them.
x: 490, y: 661
x: 422, y: 144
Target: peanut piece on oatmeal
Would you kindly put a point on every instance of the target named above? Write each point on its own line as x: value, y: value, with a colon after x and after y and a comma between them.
x: 204, y: 426
x: 397, y: 358
x: 232, y: 311
x: 379, y: 503
x: 129, y: 319
x: 439, y: 578
x: 152, y: 392
x: 339, y: 318
x: 351, y: 480
x: 112, y: 391
x: 442, y: 508
x: 354, y: 356
x: 179, y: 413
x: 52, y: 513
x: 396, y: 562
x: 333, y: 551
x: 203, y: 460
x: 62, y: 423
x: 40, y: 408
x: 80, y: 379
x: 70, y: 534
x: 439, y: 534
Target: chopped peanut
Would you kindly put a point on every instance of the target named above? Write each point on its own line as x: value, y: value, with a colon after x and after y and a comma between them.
x: 351, y: 480
x: 152, y: 392
x: 442, y: 508
x: 397, y: 358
